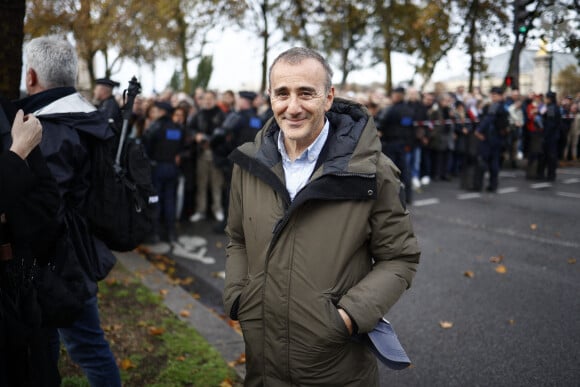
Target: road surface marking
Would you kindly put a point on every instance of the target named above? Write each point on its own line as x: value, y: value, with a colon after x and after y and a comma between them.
x: 541, y: 185
x: 192, y: 247
x: 568, y: 195
x: 507, y: 190
x: 571, y: 181
x: 509, y: 174
x: 468, y: 196
x: 425, y: 202
x: 568, y: 172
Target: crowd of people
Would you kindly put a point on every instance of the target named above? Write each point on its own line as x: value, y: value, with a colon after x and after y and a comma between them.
x: 188, y: 140
x: 430, y: 137
x: 441, y: 136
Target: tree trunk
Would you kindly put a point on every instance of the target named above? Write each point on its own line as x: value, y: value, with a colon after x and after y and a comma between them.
x: 514, y: 63
x: 388, y: 68
x: 12, y: 31
x: 265, y: 41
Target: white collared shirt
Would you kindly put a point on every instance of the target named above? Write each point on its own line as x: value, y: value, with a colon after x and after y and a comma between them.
x: 298, y: 172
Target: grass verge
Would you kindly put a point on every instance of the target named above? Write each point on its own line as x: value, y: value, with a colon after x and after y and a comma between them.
x: 152, y: 346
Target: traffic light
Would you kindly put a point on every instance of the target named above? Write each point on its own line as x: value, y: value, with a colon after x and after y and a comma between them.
x: 520, y: 17
x: 508, y: 81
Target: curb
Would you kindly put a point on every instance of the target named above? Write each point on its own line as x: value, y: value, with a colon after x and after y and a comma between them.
x: 218, y: 333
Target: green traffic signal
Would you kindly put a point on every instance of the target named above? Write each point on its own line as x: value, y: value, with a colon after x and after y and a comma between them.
x: 522, y: 29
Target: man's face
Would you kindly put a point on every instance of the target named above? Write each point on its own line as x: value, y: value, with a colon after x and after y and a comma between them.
x: 496, y: 97
x: 299, y: 100
x: 101, y: 92
x: 208, y: 101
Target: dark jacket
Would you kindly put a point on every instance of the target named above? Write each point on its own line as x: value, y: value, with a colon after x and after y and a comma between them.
x: 111, y: 110
x: 164, y: 140
x: 29, y: 199
x: 397, y: 124
x: 68, y: 120
x: 344, y: 241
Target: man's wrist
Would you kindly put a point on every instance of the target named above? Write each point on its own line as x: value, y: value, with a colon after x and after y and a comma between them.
x: 347, y: 320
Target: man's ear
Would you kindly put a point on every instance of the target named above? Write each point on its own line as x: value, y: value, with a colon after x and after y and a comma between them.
x: 31, y: 78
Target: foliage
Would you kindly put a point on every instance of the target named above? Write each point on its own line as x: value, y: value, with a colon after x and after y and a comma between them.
x: 480, y: 23
x: 204, y: 70
x: 144, y: 34
x: 568, y: 81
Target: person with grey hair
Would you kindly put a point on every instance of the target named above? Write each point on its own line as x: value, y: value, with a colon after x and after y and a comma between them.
x: 70, y: 124
x: 320, y: 242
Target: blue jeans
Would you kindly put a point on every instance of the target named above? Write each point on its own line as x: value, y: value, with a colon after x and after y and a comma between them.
x: 413, y: 159
x: 86, y: 345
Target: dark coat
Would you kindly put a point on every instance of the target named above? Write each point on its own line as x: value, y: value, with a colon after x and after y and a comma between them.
x: 67, y: 118
x: 29, y: 199
x: 111, y: 110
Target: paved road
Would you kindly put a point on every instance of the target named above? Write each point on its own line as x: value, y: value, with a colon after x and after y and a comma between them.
x: 517, y: 328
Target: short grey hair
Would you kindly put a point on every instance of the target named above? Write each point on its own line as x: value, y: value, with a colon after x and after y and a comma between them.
x: 54, y: 60
x: 296, y: 55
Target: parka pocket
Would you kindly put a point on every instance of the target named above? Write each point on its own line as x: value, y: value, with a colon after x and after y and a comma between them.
x: 249, y: 306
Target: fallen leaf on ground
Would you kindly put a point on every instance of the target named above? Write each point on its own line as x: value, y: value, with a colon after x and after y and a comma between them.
x: 161, y: 266
x: 196, y: 296
x: 155, y: 331
x: 163, y: 292
x: 184, y: 313
x: 501, y: 269
x: 446, y: 324
x: 226, y: 383
x: 533, y: 226
x: 496, y: 259
x: 469, y: 274
x: 511, y: 321
x: 240, y: 360
x: 572, y: 261
x: 127, y: 364
x: 219, y: 245
x: 180, y: 358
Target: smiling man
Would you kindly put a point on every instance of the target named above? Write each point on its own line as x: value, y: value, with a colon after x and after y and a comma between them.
x: 321, y: 245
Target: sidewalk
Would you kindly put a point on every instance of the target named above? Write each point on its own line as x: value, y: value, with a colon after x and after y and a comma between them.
x: 217, y: 332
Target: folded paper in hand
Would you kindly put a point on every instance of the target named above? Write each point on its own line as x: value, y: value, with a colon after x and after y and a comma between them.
x: 385, y: 345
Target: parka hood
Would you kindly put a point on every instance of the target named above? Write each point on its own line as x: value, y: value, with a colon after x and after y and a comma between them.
x: 352, y: 147
x: 67, y: 107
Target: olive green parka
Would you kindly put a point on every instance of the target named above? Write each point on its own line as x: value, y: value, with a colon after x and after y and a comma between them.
x: 345, y: 241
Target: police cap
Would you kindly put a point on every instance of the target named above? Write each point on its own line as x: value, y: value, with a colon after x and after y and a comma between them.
x: 248, y: 95
x: 399, y: 90
x: 496, y: 90
x: 164, y: 105
x: 107, y: 82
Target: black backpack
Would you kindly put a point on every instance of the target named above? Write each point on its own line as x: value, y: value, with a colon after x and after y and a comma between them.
x: 122, y: 201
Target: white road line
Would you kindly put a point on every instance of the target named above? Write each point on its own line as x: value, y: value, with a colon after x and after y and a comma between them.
x: 568, y: 195
x: 509, y: 174
x: 541, y: 185
x: 468, y: 196
x: 571, y: 181
x: 507, y: 190
x: 425, y: 202
x: 568, y: 172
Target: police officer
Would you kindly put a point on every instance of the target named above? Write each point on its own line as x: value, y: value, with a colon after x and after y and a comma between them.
x: 164, y: 142
x: 106, y: 102
x: 491, y: 133
x: 552, y: 120
x: 239, y: 127
x: 397, y: 133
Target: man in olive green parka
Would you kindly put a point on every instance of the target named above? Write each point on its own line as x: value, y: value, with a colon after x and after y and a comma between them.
x: 321, y: 245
